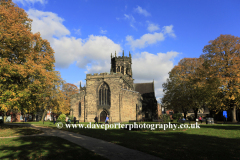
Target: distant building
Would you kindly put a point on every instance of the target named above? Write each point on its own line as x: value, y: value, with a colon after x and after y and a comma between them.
x: 159, y: 109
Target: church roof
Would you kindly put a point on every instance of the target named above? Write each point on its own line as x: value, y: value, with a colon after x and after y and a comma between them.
x: 143, y: 88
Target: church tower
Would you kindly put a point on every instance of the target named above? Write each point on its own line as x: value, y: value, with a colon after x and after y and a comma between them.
x: 121, y: 64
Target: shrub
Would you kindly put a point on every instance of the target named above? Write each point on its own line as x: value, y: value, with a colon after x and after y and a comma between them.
x: 61, y: 118
x: 176, y: 115
x: 165, y: 118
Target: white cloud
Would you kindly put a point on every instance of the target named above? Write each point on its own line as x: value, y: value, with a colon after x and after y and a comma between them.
x: 99, y: 67
x: 48, y: 24
x: 142, y: 11
x: 103, y: 31
x: 27, y: 2
x: 145, y: 40
x: 77, y: 31
x: 69, y: 49
x: 153, y: 27
x: 147, y: 66
x: 85, y: 51
x: 150, y: 38
x: 169, y: 30
x: 131, y: 20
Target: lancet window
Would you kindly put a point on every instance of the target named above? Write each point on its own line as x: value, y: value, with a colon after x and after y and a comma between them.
x: 122, y: 70
x: 118, y: 69
x: 79, y: 109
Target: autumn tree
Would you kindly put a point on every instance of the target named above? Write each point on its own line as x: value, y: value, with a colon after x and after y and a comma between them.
x: 68, y: 90
x: 56, y: 100
x: 187, y: 87
x: 27, y: 74
x: 174, y: 92
x: 222, y: 63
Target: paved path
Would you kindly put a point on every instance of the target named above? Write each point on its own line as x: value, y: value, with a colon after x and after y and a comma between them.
x: 103, y: 148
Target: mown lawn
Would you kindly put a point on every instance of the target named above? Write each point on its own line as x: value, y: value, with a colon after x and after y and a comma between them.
x: 41, y: 147
x: 209, y: 142
x: 7, y: 130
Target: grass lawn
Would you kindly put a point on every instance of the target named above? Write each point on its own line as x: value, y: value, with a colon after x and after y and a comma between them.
x: 209, y: 142
x: 7, y: 130
x: 41, y: 147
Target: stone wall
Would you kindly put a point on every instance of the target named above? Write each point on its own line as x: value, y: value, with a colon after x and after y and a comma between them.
x: 76, y: 101
x: 130, y: 107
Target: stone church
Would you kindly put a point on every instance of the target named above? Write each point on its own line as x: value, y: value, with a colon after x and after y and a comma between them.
x: 114, y: 94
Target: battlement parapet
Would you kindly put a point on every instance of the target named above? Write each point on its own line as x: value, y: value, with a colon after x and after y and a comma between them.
x: 122, y: 58
x: 103, y: 74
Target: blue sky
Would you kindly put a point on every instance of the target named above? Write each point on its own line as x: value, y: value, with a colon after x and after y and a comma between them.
x: 158, y: 33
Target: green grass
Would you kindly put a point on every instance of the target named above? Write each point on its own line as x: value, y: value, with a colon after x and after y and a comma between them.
x: 7, y: 130
x: 47, y: 148
x: 210, y: 142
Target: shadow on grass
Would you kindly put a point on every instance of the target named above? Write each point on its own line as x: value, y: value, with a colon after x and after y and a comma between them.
x: 172, y: 144
x: 210, y: 142
x: 11, y: 130
x: 224, y: 127
x: 41, y: 147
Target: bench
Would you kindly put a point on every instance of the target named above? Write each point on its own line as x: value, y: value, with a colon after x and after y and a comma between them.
x: 69, y: 122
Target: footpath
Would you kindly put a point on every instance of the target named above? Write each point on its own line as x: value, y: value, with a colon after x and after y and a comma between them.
x: 103, y: 148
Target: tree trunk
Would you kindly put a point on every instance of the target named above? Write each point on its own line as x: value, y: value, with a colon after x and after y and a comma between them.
x: 234, y: 113
x: 195, y: 113
x: 4, y: 117
x: 185, y: 114
x: 43, y: 115
x: 33, y: 117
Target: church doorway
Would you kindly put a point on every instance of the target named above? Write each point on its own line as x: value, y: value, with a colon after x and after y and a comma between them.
x: 103, y: 116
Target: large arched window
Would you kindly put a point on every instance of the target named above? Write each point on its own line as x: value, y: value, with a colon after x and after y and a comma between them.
x: 104, y: 95
x: 122, y: 70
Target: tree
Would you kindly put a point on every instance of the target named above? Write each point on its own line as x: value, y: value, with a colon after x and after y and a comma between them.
x: 27, y: 75
x: 68, y: 90
x: 221, y: 60
x: 55, y: 101
x: 175, y: 89
x: 186, y: 87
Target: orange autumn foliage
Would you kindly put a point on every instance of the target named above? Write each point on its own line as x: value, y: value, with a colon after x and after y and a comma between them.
x: 27, y: 77
x: 222, y: 62
x: 213, y: 80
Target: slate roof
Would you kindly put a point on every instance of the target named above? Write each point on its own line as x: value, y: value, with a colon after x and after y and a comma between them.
x: 143, y: 88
